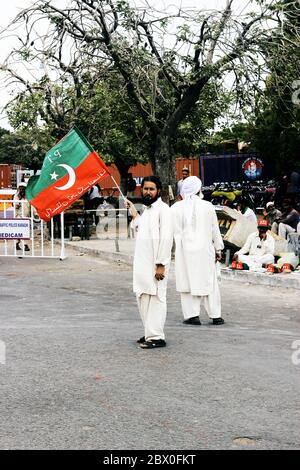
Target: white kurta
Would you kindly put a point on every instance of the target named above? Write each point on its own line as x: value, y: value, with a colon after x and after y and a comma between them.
x: 196, y: 245
x: 153, y: 246
x: 254, y: 246
x: 257, y: 252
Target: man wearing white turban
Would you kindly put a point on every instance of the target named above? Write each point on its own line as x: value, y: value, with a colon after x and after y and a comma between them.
x: 198, y: 247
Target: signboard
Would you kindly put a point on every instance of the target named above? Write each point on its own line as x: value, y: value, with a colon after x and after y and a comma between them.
x: 253, y: 168
x: 14, y: 229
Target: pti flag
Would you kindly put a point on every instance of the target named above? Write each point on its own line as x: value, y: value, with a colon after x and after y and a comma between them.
x: 70, y: 169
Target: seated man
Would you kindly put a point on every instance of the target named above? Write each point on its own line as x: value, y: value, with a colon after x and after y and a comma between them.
x: 271, y: 214
x: 288, y: 222
x: 258, y: 249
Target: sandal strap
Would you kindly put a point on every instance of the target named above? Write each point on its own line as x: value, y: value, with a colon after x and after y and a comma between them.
x: 147, y: 345
x: 154, y: 343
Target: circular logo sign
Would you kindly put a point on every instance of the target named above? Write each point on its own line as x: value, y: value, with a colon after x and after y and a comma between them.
x: 253, y: 168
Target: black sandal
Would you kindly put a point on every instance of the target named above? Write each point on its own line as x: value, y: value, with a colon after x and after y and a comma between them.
x: 141, y: 340
x: 218, y: 321
x: 153, y: 343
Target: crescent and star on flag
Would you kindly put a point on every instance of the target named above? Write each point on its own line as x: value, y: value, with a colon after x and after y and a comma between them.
x: 72, y: 177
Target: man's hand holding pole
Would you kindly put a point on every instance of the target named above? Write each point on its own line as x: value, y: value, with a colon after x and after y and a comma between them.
x: 131, y: 207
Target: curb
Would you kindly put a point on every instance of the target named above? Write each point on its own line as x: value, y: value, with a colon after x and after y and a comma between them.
x: 106, y: 255
x: 291, y: 281
x: 274, y: 280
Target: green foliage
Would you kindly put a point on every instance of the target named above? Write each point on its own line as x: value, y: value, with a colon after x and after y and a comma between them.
x: 23, y: 112
x: 193, y: 133
x: 273, y: 127
x: 109, y: 120
x: 24, y: 147
x: 276, y: 131
x: 106, y: 117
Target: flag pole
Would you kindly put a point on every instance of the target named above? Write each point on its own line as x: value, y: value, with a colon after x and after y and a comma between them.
x: 117, y: 217
x: 122, y: 195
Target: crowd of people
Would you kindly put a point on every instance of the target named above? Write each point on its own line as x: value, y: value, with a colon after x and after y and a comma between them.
x: 259, y: 249
x: 283, y: 221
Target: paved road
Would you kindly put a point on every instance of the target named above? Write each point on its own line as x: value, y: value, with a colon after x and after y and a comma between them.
x: 74, y: 378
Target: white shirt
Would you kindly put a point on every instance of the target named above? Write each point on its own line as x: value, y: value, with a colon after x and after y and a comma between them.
x: 196, y: 245
x: 179, y: 185
x: 250, y: 214
x: 153, y: 246
x: 255, y: 246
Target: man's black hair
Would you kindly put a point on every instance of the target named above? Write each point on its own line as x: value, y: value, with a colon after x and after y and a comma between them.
x: 152, y: 179
x: 244, y: 201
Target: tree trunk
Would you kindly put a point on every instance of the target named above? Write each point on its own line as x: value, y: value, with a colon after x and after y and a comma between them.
x: 164, y: 165
x: 123, y: 170
x: 123, y: 182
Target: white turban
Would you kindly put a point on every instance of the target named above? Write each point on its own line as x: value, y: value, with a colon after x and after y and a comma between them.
x: 190, y: 187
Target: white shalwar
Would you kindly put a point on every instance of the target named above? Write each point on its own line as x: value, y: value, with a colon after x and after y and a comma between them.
x: 257, y: 252
x: 195, y: 266
x: 153, y: 246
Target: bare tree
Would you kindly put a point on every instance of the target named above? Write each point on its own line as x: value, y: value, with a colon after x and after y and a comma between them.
x: 50, y: 85
x: 166, y: 58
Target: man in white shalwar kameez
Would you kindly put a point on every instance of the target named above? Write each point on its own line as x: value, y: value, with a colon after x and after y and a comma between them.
x: 198, y: 247
x: 151, y: 261
x: 258, y: 249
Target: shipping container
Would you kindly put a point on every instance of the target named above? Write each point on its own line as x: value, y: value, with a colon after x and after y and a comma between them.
x: 5, y: 176
x: 139, y: 171
x: 191, y: 163
x: 8, y: 175
x: 233, y: 167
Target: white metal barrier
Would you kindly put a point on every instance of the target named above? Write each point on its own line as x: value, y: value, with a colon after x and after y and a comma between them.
x: 39, y: 243
x: 115, y: 222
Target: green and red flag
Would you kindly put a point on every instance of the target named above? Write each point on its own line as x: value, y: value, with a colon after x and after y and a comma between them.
x: 69, y: 169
